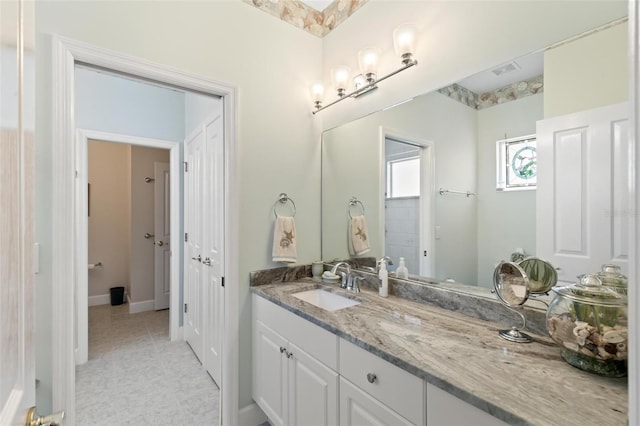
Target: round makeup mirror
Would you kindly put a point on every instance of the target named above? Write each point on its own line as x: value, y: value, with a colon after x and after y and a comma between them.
x: 512, y: 287
x: 542, y: 275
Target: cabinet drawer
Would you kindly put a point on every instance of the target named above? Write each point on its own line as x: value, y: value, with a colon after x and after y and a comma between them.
x: 320, y: 343
x: 394, y: 387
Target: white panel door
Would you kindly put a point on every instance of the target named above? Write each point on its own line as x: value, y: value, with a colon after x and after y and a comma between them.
x: 582, y: 202
x: 162, y: 232
x: 213, y: 250
x: 17, y: 353
x: 313, y: 390
x: 193, y: 216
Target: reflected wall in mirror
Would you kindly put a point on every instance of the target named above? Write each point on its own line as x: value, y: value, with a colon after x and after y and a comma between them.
x: 450, y: 135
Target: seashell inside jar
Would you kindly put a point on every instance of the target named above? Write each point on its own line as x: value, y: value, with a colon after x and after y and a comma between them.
x: 589, y: 322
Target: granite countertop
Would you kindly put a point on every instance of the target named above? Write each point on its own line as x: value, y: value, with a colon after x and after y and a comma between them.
x: 519, y: 383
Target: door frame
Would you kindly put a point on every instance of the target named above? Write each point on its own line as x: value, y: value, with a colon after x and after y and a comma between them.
x: 159, y: 251
x: 634, y: 204
x: 82, y: 237
x: 427, y: 193
x: 65, y: 53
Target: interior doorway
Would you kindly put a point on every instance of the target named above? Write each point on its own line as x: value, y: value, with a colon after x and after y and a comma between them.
x: 67, y: 53
x: 83, y: 214
x: 128, y: 225
x: 408, y: 202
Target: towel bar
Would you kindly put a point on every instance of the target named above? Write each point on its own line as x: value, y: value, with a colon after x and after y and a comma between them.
x: 442, y: 191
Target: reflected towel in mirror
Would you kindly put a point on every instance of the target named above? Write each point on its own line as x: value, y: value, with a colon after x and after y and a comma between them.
x: 358, y: 238
x: 284, y: 240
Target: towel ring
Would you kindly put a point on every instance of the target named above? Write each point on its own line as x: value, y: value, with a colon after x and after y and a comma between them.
x: 353, y: 201
x: 283, y: 199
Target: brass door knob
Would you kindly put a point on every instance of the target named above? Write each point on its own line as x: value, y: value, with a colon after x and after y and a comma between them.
x: 33, y: 419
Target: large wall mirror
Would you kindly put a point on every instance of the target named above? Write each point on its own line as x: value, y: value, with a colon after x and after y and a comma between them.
x: 426, y: 171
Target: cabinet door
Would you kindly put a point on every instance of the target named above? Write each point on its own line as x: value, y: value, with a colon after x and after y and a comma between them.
x: 444, y: 409
x: 313, y: 390
x: 269, y: 372
x: 358, y: 408
x: 582, y: 200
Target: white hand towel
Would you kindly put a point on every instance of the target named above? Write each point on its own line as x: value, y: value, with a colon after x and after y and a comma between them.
x: 284, y: 240
x: 358, y: 238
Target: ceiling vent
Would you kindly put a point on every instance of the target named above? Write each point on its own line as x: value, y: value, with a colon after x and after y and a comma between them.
x: 511, y: 66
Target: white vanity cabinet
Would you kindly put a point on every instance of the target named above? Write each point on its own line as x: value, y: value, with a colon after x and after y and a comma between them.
x: 374, y: 391
x: 291, y: 386
x: 306, y: 375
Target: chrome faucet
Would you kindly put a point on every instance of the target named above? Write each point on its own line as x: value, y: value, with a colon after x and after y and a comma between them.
x: 339, y: 264
x: 353, y: 284
x: 346, y: 277
x: 385, y: 259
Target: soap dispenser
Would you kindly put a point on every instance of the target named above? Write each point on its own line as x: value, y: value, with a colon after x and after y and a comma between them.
x: 401, y: 270
x: 384, y: 280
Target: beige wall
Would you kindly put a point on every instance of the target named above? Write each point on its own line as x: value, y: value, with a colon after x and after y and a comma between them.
x: 586, y: 73
x: 142, y: 211
x: 109, y: 219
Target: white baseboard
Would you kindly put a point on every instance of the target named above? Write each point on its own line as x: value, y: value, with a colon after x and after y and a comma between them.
x: 251, y: 415
x: 136, y: 307
x: 100, y: 299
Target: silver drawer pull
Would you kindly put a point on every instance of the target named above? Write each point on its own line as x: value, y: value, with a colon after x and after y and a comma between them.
x: 371, y: 377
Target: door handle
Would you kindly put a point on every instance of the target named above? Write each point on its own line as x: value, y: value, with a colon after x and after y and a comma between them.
x: 159, y: 243
x: 199, y: 258
x: 148, y: 235
x: 206, y: 261
x: 33, y: 419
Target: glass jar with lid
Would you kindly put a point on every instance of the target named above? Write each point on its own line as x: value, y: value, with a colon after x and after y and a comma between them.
x: 611, y: 276
x: 589, y: 322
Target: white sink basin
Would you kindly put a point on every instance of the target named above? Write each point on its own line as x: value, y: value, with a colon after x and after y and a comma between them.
x: 325, y: 299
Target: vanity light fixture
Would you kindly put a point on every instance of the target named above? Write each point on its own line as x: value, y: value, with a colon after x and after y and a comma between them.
x: 404, y: 42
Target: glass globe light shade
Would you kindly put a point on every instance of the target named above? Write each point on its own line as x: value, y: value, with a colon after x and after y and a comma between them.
x: 317, y: 92
x: 368, y: 60
x: 404, y: 41
x: 340, y: 77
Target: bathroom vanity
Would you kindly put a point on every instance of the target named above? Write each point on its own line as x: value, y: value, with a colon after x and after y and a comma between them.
x: 396, y: 361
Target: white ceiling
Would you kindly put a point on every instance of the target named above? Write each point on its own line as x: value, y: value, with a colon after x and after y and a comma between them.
x: 526, y: 67
x: 318, y: 5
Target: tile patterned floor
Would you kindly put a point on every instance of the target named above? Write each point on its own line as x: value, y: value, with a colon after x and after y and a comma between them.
x: 136, y: 376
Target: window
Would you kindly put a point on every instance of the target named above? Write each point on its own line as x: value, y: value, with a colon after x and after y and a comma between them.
x: 403, y: 178
x: 516, y: 163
